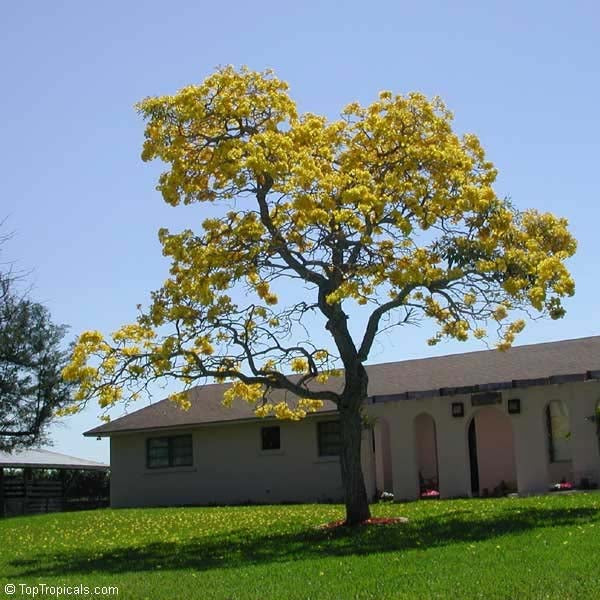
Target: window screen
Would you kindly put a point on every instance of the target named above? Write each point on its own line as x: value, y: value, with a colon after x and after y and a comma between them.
x: 173, y: 451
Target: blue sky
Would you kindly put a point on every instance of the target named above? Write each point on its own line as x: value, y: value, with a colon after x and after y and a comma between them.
x: 524, y: 77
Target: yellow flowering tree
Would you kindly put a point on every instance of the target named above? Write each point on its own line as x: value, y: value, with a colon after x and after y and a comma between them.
x: 385, y: 213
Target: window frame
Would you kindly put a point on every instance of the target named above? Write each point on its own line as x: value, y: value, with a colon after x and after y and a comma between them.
x: 320, y: 450
x: 170, y: 451
x: 262, y: 438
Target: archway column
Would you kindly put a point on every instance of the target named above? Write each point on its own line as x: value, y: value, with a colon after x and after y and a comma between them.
x: 426, y: 441
x: 453, y: 459
x: 368, y: 462
x: 531, y: 448
x: 404, y: 458
x: 383, y: 459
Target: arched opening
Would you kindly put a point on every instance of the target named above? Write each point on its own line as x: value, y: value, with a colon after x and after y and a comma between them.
x: 558, y: 429
x: 492, y: 453
x: 427, y: 461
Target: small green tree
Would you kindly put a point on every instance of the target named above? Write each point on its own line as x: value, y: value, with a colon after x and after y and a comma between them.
x: 31, y: 363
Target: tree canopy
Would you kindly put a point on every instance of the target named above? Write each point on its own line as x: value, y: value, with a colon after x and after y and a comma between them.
x: 31, y: 362
x: 385, y: 213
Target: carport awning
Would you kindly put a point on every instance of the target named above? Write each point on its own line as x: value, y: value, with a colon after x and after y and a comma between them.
x: 44, y: 459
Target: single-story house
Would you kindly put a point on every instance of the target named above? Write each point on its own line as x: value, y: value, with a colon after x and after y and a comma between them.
x: 466, y: 424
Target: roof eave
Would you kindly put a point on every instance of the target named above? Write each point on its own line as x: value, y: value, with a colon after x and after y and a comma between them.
x: 58, y: 466
x: 108, y: 433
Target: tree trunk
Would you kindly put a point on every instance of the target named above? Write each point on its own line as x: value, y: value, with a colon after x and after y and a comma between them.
x: 355, y: 493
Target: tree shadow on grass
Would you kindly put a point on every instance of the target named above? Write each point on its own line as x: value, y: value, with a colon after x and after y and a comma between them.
x: 244, y: 547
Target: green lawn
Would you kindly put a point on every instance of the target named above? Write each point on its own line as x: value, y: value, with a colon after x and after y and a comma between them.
x: 542, y: 547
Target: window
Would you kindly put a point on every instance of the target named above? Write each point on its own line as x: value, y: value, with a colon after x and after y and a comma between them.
x: 329, y: 439
x: 559, y: 431
x: 270, y: 438
x: 174, y: 451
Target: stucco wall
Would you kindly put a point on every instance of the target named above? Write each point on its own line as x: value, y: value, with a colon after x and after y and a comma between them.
x: 383, y: 457
x: 426, y: 447
x: 229, y: 467
x: 534, y: 472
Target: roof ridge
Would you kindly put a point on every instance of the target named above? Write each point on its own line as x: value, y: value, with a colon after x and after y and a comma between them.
x: 483, y: 351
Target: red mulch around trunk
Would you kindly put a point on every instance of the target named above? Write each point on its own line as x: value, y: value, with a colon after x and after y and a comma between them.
x: 371, y: 521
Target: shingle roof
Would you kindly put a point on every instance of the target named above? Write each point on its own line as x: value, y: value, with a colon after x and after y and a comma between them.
x: 206, y: 407
x: 534, y: 364
x: 44, y: 459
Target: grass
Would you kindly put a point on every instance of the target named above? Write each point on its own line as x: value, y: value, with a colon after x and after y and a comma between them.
x: 541, y: 547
